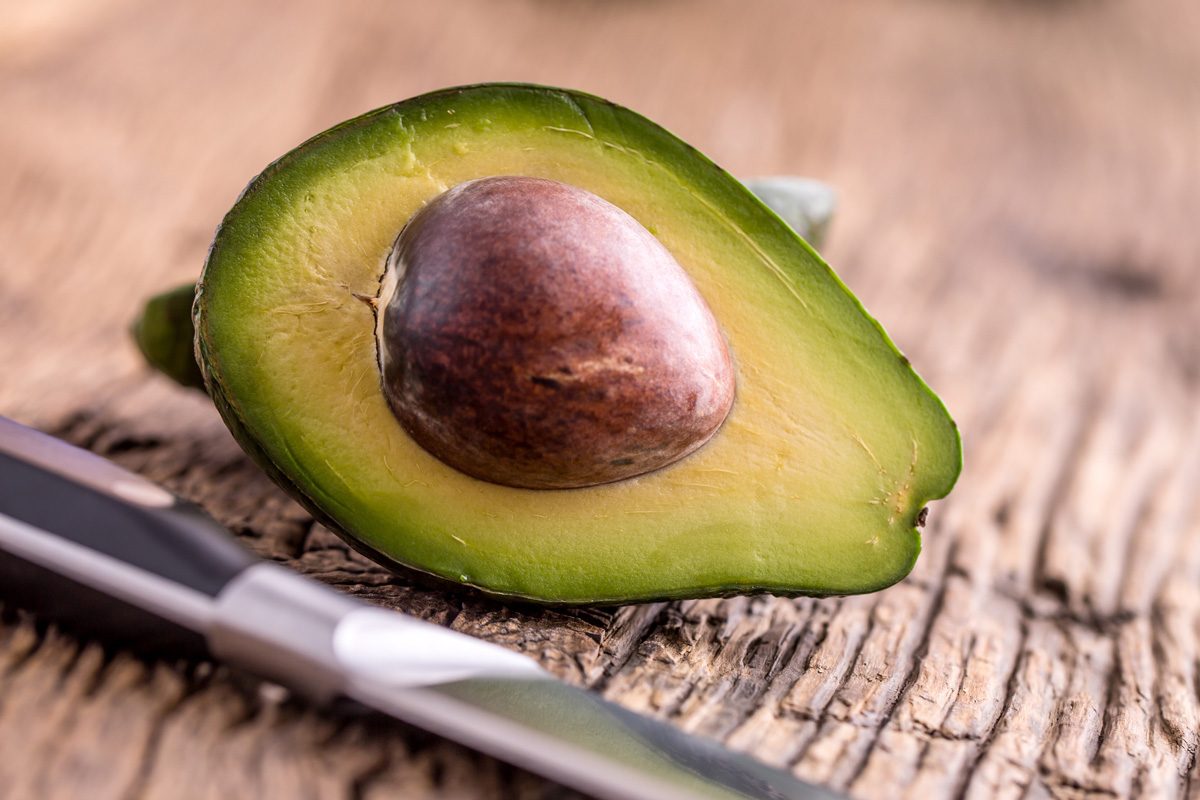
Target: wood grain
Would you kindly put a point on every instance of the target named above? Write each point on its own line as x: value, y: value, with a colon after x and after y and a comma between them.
x: 1019, y: 184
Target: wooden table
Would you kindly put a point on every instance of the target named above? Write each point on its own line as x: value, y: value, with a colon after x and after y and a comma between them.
x: 1020, y: 188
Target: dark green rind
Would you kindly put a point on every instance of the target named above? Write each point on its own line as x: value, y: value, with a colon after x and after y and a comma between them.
x: 164, y: 334
x: 751, y: 214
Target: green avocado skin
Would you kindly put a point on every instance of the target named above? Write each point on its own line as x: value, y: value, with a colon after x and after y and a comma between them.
x: 399, y: 549
x: 164, y: 334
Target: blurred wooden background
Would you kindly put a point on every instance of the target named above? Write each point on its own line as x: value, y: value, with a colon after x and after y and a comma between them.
x: 1020, y: 187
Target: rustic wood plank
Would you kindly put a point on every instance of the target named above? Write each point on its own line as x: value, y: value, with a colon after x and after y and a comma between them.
x: 1018, y: 186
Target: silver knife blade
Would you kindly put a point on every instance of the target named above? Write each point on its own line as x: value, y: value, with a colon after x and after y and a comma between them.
x: 480, y: 694
x: 582, y: 741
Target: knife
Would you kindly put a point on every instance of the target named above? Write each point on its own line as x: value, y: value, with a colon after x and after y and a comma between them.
x: 106, y: 552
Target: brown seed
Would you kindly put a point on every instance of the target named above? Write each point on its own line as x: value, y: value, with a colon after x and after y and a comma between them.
x: 535, y: 335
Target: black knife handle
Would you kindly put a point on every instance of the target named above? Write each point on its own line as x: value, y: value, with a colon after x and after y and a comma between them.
x: 87, y: 543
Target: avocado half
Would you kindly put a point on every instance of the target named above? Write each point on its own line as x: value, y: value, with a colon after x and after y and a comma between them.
x: 815, y: 484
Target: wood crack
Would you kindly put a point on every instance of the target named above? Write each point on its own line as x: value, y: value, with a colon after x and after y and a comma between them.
x: 1055, y: 586
x: 1010, y: 688
x: 619, y: 643
x: 150, y: 751
x: 914, y: 670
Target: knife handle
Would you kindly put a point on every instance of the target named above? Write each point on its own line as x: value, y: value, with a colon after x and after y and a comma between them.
x: 99, y: 549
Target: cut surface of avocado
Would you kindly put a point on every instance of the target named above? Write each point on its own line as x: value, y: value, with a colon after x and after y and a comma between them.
x: 813, y: 485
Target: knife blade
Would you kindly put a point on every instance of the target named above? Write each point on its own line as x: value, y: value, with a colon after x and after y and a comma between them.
x: 104, y: 551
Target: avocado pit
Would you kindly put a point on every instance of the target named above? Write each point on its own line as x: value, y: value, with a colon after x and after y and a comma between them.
x: 532, y: 334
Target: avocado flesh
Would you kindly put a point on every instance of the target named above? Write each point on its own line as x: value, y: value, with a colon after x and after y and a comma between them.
x: 812, y: 486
